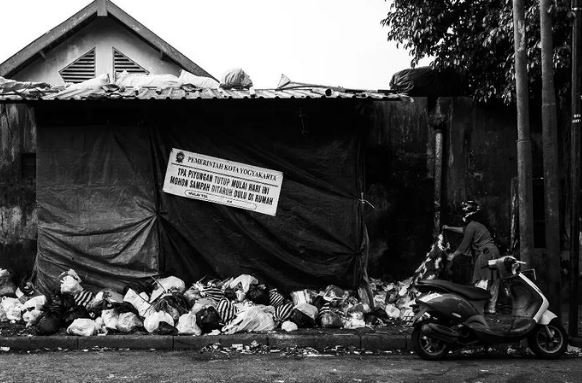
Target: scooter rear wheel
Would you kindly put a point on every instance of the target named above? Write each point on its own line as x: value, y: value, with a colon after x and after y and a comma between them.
x: 549, y: 341
x: 427, y: 347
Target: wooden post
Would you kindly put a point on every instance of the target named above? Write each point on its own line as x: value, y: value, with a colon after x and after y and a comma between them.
x: 524, y: 169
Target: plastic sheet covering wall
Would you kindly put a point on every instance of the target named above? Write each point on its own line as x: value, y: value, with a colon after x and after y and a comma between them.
x: 102, y: 210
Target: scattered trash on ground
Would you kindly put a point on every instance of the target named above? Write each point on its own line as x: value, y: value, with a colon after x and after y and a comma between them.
x: 167, y: 306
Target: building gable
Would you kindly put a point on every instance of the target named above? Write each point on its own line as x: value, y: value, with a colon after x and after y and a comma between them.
x: 37, y: 52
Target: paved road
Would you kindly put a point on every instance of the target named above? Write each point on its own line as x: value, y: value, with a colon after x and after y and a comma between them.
x: 157, y: 366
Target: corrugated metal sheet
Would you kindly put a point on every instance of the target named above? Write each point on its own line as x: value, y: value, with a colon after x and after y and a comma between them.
x: 189, y: 93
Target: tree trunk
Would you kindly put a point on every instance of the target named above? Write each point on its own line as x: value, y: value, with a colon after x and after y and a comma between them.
x: 550, y: 151
x: 575, y: 169
x: 524, y: 169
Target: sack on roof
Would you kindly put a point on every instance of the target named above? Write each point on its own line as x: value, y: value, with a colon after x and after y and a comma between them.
x: 428, y: 82
x: 138, y: 80
x: 7, y: 85
x: 236, y: 79
x: 198, y: 81
x: 96, y: 82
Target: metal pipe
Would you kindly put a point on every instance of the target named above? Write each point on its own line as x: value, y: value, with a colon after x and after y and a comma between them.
x: 575, y: 170
x: 438, y: 178
x: 524, y: 168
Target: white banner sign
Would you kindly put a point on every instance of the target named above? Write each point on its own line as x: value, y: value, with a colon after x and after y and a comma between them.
x: 212, y: 179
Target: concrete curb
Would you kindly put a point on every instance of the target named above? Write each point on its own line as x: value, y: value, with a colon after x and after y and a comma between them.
x: 375, y: 341
x: 575, y: 341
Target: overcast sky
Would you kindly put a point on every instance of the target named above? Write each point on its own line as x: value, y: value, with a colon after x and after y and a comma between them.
x: 332, y: 42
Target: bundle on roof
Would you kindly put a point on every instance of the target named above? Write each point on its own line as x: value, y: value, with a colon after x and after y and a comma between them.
x: 428, y: 82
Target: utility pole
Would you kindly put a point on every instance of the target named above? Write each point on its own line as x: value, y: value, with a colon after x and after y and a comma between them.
x: 524, y: 170
x: 575, y: 170
x: 550, y: 151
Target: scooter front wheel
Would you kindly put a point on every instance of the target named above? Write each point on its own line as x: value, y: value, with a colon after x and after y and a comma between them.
x: 549, y: 341
x: 428, y: 347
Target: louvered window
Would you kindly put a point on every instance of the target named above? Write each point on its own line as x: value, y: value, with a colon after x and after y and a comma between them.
x: 123, y: 63
x: 81, y: 69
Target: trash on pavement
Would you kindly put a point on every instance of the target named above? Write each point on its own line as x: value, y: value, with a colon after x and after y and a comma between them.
x: 127, y: 322
x: 152, y: 322
x: 7, y: 287
x: 187, y: 325
x: 82, y: 327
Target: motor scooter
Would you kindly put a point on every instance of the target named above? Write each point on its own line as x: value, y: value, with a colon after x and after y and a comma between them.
x: 450, y: 316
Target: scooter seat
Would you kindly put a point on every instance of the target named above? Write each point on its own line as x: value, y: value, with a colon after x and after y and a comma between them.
x: 469, y: 292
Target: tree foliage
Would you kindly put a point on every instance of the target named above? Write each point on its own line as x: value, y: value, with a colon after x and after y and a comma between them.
x: 475, y: 38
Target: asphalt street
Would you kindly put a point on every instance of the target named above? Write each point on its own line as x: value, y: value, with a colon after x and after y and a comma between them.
x: 190, y: 366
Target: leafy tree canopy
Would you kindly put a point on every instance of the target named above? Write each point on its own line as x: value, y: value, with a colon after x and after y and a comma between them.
x: 475, y: 38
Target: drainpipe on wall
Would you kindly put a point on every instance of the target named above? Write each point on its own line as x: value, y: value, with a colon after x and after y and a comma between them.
x: 438, y: 178
x: 438, y: 123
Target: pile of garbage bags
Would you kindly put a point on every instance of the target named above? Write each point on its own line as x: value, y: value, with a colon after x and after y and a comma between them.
x: 169, y: 307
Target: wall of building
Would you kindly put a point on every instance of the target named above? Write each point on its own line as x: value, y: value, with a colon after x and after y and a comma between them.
x: 103, y: 34
x: 18, y: 220
x: 479, y: 162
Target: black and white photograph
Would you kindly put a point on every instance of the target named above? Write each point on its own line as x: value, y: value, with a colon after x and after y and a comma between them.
x: 280, y: 191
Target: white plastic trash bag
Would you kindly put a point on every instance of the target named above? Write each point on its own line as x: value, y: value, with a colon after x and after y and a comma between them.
x: 110, y: 318
x: 255, y: 319
x: 167, y: 285
x: 392, y: 311
x: 7, y: 287
x: 202, y: 304
x: 37, y: 303
x: 236, y: 79
x: 70, y: 283
x: 82, y: 327
x: 187, y: 325
x: 139, y: 301
x: 139, y: 80
x: 289, y: 326
x: 13, y: 308
x: 355, y: 320
x: 198, y: 81
x: 31, y: 317
x: 127, y: 322
x: 243, y: 282
x: 308, y: 309
x: 152, y: 322
x: 96, y: 82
